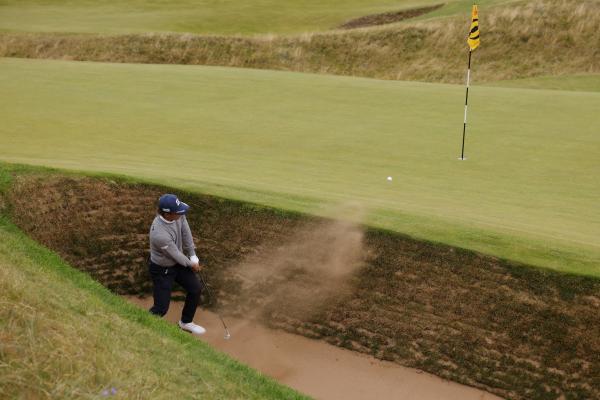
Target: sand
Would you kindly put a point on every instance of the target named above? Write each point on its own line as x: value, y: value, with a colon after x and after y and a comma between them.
x: 318, y: 369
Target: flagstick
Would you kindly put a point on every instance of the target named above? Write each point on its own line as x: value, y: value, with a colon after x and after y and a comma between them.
x: 462, y: 152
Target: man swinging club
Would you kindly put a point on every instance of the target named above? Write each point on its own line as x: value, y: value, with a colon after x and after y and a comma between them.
x: 170, y: 236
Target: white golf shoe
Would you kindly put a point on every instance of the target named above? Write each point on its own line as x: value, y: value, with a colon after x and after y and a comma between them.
x: 192, y: 328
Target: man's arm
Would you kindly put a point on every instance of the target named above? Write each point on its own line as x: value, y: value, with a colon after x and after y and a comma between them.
x: 168, y: 246
x: 187, y: 239
x: 188, y: 244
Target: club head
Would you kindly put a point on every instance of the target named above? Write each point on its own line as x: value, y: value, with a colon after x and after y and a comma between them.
x: 227, y: 335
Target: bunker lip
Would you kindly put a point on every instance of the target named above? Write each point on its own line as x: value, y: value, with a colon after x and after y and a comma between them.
x: 316, y: 368
x: 388, y: 17
x: 512, y: 330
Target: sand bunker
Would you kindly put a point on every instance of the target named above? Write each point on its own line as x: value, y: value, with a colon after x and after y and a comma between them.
x: 388, y: 18
x: 318, y: 369
x: 512, y: 330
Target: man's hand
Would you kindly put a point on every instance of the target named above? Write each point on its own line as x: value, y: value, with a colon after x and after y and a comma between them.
x: 195, y: 263
x: 196, y: 267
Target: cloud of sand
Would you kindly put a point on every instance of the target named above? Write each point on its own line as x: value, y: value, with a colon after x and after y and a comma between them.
x: 301, y: 275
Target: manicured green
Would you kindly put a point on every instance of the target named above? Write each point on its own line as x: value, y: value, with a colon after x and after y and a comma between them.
x: 204, y: 16
x: 529, y: 190
x: 66, y: 336
x: 584, y: 83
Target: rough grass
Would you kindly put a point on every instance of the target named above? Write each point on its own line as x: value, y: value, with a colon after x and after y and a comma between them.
x: 516, y: 331
x: 535, y: 38
x: 64, y: 336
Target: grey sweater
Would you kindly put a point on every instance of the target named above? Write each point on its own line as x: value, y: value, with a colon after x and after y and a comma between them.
x: 168, y: 241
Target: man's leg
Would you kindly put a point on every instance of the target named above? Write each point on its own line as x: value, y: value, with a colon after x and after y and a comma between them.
x: 163, y: 284
x: 189, y: 281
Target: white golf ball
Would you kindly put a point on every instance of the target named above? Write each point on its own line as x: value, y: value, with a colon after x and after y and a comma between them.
x: 389, y: 178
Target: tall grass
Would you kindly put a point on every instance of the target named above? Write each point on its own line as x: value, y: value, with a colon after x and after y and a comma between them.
x: 63, y: 335
x: 540, y: 37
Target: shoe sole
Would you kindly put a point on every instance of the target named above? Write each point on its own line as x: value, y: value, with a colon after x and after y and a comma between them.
x: 193, y: 333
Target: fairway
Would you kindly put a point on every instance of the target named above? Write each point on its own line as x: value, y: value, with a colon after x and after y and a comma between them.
x: 204, y: 16
x: 528, y: 192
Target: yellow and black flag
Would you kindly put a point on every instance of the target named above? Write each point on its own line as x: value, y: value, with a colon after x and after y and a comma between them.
x: 473, y: 39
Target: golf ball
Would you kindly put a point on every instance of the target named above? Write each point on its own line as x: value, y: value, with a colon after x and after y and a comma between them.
x: 389, y: 178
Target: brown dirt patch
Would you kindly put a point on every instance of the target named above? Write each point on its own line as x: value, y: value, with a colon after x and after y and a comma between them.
x: 388, y: 17
x: 513, y: 330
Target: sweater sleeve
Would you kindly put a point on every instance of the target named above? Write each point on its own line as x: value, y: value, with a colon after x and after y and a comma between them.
x: 187, y: 239
x: 168, y: 246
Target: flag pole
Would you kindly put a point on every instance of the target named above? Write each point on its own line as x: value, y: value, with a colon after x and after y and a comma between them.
x: 473, y: 42
x: 462, y: 151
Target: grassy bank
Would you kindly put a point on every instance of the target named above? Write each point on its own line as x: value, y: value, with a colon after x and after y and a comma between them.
x: 513, y: 330
x: 65, y: 336
x: 309, y: 143
x: 534, y: 38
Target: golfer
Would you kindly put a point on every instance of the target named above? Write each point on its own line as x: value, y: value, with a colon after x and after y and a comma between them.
x: 170, y: 237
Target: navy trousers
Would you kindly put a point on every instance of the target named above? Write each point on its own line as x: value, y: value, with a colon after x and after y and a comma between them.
x: 163, y: 278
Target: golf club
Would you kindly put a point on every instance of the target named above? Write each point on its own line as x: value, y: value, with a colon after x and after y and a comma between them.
x: 227, y: 335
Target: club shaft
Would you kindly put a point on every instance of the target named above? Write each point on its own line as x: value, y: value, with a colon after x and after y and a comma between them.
x: 212, y: 299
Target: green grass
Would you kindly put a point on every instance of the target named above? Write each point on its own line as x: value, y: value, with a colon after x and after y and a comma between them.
x: 65, y: 336
x: 583, y: 83
x: 305, y: 142
x: 205, y: 16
